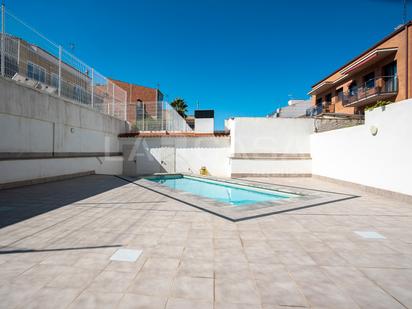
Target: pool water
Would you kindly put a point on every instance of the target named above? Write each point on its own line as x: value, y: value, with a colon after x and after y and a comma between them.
x: 232, y: 194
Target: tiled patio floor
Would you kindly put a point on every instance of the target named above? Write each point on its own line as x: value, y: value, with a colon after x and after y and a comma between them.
x: 56, y: 242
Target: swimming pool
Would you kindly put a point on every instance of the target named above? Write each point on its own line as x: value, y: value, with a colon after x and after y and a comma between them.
x: 233, y: 194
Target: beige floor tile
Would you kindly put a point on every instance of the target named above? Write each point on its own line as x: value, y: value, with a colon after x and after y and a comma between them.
x: 96, y: 300
x: 196, y: 268
x: 193, y: 288
x: 161, y: 265
x: 178, y: 303
x: 236, y: 291
x: 152, y: 284
x: 135, y: 301
x: 111, y: 281
x: 52, y: 298
x: 77, y: 280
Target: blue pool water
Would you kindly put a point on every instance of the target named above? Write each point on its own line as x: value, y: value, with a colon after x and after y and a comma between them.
x: 220, y: 191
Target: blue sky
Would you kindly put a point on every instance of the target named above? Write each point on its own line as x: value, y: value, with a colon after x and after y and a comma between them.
x: 241, y: 58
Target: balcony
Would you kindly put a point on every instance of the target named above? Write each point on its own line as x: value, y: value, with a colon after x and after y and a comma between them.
x: 325, y: 108
x: 380, y: 88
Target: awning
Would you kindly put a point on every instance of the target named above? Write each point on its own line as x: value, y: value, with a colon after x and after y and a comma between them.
x: 369, y: 59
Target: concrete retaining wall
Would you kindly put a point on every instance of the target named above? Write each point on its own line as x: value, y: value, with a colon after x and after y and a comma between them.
x: 34, y: 124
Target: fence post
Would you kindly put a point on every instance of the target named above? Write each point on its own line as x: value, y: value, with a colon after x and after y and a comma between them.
x: 125, y: 109
x: 163, y: 113
x: 60, y: 71
x: 113, y: 100
x: 3, y: 41
x: 92, y: 100
x: 143, y: 115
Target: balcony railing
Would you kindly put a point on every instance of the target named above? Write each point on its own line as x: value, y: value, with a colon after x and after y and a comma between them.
x: 326, y: 107
x: 377, y: 88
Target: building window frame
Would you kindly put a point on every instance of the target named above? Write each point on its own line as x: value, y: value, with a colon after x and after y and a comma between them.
x: 353, y: 89
x: 328, y: 99
x: 54, y: 80
x: 339, y: 94
x: 369, y: 80
x: 36, y: 72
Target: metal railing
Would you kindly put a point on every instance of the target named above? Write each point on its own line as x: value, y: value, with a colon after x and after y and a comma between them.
x: 155, y: 116
x: 325, y: 107
x: 374, y: 87
x: 30, y: 58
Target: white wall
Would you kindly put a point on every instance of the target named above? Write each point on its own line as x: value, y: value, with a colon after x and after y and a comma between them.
x: 257, y: 137
x: 204, y: 125
x: 176, y: 155
x: 22, y: 170
x: 353, y: 154
x: 271, y: 135
x: 34, y: 124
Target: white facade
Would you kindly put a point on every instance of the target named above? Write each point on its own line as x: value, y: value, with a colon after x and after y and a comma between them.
x: 204, y: 125
x: 356, y: 155
x: 150, y: 155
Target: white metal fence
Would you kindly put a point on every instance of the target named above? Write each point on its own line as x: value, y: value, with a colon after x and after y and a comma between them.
x: 155, y: 116
x: 29, y: 57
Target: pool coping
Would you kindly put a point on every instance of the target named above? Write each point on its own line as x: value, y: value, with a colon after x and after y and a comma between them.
x: 305, y: 198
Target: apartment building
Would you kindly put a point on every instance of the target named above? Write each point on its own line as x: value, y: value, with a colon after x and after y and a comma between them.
x: 34, y: 62
x: 381, y: 73
x: 143, y: 102
x: 294, y: 109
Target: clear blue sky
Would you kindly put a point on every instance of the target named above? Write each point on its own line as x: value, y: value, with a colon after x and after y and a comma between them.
x: 241, y: 58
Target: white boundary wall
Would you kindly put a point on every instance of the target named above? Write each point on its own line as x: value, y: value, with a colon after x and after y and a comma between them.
x: 353, y: 154
x: 144, y: 156
x: 37, y: 127
x: 287, y: 139
x: 271, y: 135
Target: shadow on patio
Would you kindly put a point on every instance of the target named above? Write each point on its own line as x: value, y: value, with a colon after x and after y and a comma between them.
x: 23, y: 203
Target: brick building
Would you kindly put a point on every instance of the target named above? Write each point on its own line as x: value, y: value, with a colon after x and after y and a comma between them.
x: 141, y: 101
x: 381, y: 73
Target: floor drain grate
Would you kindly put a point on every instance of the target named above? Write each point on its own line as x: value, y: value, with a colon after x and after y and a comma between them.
x: 126, y: 255
x: 370, y: 234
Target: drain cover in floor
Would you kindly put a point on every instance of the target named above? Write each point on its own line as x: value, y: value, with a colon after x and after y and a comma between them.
x: 126, y: 255
x: 369, y: 234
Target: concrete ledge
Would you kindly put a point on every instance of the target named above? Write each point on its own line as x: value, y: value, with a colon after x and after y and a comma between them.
x: 240, y: 175
x: 271, y: 156
x: 56, y: 155
x: 386, y: 193
x: 30, y: 182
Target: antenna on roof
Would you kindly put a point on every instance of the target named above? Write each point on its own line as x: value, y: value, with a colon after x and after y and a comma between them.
x: 405, y: 11
x: 72, y: 46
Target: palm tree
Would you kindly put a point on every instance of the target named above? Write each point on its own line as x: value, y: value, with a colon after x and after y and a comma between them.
x: 180, y: 107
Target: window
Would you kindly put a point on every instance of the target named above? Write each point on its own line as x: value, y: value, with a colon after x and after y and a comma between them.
x: 369, y: 80
x: 319, y: 102
x: 328, y: 99
x: 390, y: 78
x: 55, y: 80
x: 36, y: 72
x: 339, y: 94
x: 353, y: 89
